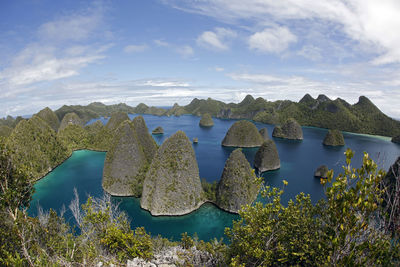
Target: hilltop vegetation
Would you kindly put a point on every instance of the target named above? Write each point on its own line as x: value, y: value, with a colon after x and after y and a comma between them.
x: 352, y: 226
x: 361, y: 117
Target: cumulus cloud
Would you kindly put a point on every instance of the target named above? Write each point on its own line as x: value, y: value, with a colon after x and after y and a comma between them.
x: 272, y: 40
x: 135, y: 48
x: 373, y: 24
x: 49, y: 59
x: 217, y: 39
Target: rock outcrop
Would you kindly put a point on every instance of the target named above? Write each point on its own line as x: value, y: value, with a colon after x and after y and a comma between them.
x: 267, y: 157
x: 158, y: 130
x: 172, y: 185
x: 334, y: 138
x: 50, y: 117
x: 321, y: 172
x: 125, y: 165
x: 243, y: 134
x: 238, y: 185
x: 206, y: 121
x: 290, y: 130
x: 70, y: 119
x: 176, y: 110
x: 116, y: 119
x: 396, y: 139
x: 146, y: 140
x: 264, y: 133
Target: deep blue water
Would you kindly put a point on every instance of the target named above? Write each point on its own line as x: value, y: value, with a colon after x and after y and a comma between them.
x: 299, y: 159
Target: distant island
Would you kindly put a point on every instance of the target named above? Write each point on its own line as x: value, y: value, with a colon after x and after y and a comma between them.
x: 362, y: 117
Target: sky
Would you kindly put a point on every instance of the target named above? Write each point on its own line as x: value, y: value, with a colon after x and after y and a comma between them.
x: 162, y: 52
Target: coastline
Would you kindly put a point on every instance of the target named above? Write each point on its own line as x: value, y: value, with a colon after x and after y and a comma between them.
x: 53, y: 168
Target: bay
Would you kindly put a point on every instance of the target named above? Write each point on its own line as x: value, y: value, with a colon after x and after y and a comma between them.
x: 299, y: 159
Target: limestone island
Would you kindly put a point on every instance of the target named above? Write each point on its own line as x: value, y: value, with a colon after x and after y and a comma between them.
x: 334, y: 138
x: 321, y: 172
x: 243, y: 134
x: 70, y: 118
x: 172, y: 185
x: 238, y: 185
x: 206, y: 120
x: 128, y: 159
x: 267, y: 157
x: 289, y: 130
x: 158, y: 130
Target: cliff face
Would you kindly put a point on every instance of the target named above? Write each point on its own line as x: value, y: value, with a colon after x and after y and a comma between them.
x: 238, y: 184
x: 206, y: 121
x: 70, y: 119
x: 334, y: 138
x: 50, y: 117
x: 116, y: 119
x: 267, y: 157
x: 290, y: 130
x: 172, y: 185
x: 264, y: 133
x: 36, y: 146
x: 145, y: 139
x: 125, y: 164
x: 243, y: 134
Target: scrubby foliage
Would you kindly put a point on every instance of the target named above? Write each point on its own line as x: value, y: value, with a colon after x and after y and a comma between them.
x: 345, y: 229
x: 356, y: 224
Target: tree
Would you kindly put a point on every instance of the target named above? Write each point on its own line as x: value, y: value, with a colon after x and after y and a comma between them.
x: 343, y: 229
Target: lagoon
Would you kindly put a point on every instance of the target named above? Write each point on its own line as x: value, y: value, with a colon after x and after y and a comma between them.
x: 299, y: 159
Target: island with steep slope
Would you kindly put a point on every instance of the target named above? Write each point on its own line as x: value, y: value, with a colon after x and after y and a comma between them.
x: 238, y: 185
x: 243, y: 134
x: 172, y: 185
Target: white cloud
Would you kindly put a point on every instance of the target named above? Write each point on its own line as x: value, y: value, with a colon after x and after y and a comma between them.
x: 135, y: 48
x: 373, y: 24
x: 272, y: 40
x: 217, y: 39
x: 161, y: 43
x: 218, y: 69
x: 75, y: 27
x: 185, y: 51
x: 49, y: 59
x: 310, y: 52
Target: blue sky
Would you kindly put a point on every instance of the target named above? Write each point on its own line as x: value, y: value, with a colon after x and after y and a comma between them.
x: 164, y: 51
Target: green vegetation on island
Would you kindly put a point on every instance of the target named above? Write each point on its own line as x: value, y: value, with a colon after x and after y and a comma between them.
x: 355, y: 224
x: 50, y: 117
x: 239, y: 185
x: 172, y: 185
x: 70, y: 119
x: 36, y: 147
x: 321, y: 172
x: 334, y: 138
x: 125, y: 165
x: 5, y: 130
x: 206, y: 121
x: 267, y: 157
x: 243, y: 134
x: 116, y: 119
x: 291, y: 129
x: 158, y: 130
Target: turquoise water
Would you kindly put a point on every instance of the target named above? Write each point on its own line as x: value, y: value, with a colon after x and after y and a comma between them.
x: 299, y: 159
